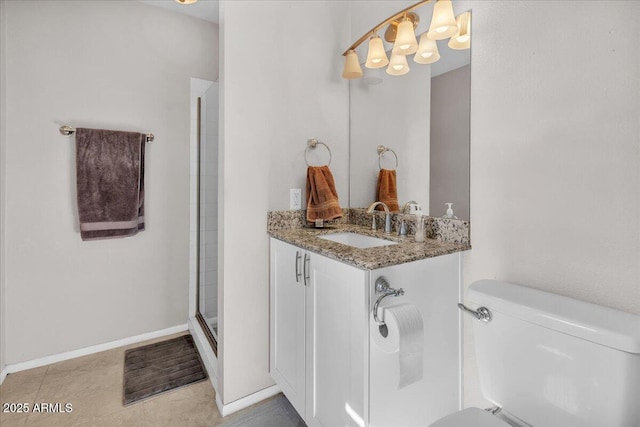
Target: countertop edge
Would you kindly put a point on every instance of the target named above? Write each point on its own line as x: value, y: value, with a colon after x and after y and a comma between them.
x: 407, y: 250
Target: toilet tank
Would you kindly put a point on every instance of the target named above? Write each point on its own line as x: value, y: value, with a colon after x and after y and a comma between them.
x: 553, y: 361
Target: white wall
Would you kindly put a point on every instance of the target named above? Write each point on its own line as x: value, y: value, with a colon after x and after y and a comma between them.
x: 120, y: 65
x: 3, y: 322
x: 555, y: 151
x: 280, y: 85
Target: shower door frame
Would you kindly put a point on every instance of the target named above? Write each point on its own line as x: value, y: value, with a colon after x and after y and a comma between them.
x: 199, y: 316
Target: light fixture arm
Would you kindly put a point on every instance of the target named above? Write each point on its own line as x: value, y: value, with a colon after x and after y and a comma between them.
x: 383, y: 23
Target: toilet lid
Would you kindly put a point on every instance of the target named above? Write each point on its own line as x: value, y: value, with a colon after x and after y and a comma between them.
x: 475, y: 417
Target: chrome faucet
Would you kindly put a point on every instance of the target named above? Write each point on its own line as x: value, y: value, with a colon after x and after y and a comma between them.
x: 387, y: 219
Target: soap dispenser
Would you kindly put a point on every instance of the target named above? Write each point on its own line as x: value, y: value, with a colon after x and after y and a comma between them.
x: 419, y: 237
x: 449, y: 213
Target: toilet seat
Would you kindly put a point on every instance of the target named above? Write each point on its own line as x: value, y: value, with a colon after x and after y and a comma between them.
x: 475, y: 417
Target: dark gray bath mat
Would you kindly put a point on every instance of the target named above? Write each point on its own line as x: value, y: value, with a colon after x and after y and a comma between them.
x: 160, y: 367
x: 276, y: 412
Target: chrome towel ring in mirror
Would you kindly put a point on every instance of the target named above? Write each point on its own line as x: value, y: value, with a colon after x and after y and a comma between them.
x: 381, y: 150
x: 313, y: 143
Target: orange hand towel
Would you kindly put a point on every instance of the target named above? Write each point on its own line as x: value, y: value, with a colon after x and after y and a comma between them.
x: 322, y: 197
x: 387, y: 190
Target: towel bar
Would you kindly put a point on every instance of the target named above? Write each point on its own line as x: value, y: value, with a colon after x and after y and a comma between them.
x: 68, y: 130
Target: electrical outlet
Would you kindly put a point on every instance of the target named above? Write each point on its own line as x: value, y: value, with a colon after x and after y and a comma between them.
x: 295, y: 198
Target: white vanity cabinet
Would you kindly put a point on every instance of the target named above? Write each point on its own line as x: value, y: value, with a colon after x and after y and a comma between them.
x: 433, y: 286
x: 326, y: 352
x: 319, y: 335
x: 287, y: 322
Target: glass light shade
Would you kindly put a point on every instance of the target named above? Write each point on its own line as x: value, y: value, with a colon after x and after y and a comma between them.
x: 186, y: 1
x: 376, y: 57
x: 427, y: 51
x: 443, y: 23
x: 406, y: 42
x: 462, y: 38
x: 397, y: 65
x: 352, y: 68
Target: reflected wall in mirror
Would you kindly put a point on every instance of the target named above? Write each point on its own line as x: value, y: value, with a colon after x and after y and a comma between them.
x: 424, y: 117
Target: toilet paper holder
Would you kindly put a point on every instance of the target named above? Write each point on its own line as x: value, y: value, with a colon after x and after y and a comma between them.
x: 384, y: 290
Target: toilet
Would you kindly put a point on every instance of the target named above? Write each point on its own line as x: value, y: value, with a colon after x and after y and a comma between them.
x: 550, y: 361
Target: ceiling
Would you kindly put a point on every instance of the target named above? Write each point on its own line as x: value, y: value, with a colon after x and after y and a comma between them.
x: 203, y: 9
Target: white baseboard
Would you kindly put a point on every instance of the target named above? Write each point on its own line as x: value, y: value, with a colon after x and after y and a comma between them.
x: 47, y: 360
x: 3, y: 375
x: 206, y: 352
x: 246, y: 401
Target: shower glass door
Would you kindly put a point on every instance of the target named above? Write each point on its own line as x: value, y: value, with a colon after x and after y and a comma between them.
x: 208, y: 213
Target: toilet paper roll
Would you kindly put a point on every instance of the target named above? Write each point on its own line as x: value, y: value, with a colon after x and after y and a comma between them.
x: 406, y: 337
x: 390, y: 343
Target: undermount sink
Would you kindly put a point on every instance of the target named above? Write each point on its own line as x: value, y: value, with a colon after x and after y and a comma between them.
x: 357, y: 240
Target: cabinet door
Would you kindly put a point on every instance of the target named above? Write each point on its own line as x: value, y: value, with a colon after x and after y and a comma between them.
x: 287, y: 322
x: 337, y: 329
x: 433, y: 287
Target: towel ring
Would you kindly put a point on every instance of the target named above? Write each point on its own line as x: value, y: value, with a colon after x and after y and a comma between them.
x: 381, y: 150
x: 313, y: 143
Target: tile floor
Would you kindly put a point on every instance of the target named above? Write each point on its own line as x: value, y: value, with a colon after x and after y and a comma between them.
x: 93, y: 385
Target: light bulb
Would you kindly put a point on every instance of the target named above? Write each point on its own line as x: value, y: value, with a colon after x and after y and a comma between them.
x: 397, y: 65
x: 352, y: 68
x: 406, y: 42
x: 462, y: 38
x: 443, y: 22
x: 376, y: 57
x: 427, y: 51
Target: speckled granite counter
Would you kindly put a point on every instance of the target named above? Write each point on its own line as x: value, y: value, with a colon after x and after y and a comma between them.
x: 407, y: 250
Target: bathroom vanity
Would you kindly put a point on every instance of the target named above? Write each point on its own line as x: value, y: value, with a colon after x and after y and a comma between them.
x: 327, y: 353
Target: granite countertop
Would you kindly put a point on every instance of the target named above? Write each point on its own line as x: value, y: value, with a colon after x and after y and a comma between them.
x: 406, y: 250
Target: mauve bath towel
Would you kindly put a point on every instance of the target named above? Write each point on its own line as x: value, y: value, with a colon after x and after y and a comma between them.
x: 110, y: 181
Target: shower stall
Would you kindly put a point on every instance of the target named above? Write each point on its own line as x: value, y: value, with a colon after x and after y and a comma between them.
x: 208, y: 210
x: 203, y: 307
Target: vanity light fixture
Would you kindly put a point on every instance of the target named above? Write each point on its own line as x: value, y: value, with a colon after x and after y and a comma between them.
x: 186, y: 1
x: 376, y: 56
x: 397, y: 65
x: 406, y: 42
x: 462, y: 38
x: 401, y: 32
x: 427, y: 51
x: 352, y: 68
x: 443, y: 22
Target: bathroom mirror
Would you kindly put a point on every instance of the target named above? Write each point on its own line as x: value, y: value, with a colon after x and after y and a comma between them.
x: 423, y: 116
